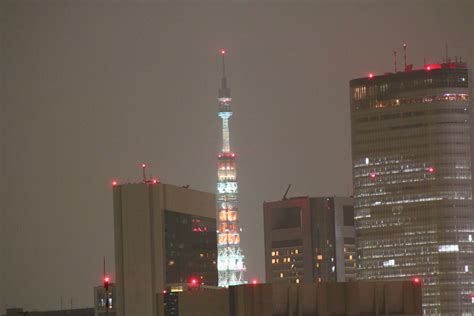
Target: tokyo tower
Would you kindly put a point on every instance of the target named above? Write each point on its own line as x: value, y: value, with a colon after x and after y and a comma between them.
x: 230, y: 262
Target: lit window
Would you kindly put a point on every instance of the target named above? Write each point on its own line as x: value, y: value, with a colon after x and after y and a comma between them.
x: 317, y: 265
x: 319, y: 280
x: 273, y: 261
x: 277, y: 253
x: 448, y: 248
x: 350, y: 257
x: 466, y: 268
x: 470, y: 237
x: 171, y: 263
x: 281, y: 274
x: 201, y: 255
x: 296, y: 251
x: 273, y: 253
x: 320, y: 257
x: 297, y: 281
x: 284, y: 259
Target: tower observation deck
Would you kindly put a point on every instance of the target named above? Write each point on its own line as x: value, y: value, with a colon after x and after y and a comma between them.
x: 230, y: 263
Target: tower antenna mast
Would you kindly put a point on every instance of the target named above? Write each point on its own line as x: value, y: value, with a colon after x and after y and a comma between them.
x: 144, y: 172
x: 395, y: 60
x: 405, y: 55
x: 223, y: 63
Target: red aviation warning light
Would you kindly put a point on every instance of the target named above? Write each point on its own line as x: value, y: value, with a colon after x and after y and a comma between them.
x: 194, y: 282
x: 432, y: 66
x: 371, y: 75
x: 106, y: 283
x: 114, y: 183
x: 431, y: 169
x: 254, y: 281
x: 373, y: 175
x: 222, y: 51
x: 416, y: 280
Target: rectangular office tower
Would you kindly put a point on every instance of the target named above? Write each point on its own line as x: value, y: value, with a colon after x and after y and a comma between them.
x: 411, y: 155
x: 164, y: 235
x: 309, y: 240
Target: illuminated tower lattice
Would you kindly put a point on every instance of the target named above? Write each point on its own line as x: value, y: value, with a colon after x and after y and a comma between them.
x: 230, y: 264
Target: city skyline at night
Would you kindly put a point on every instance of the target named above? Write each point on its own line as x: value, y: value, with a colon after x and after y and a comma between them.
x: 91, y: 90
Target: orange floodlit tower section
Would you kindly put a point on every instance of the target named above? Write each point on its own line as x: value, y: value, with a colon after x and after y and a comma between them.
x: 230, y: 263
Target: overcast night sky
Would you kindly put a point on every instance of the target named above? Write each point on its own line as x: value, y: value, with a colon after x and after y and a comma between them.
x: 90, y: 89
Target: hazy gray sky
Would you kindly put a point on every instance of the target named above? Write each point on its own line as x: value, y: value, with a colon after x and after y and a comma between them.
x: 91, y: 89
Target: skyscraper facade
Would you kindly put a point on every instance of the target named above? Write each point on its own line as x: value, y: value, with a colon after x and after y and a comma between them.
x: 309, y: 240
x: 411, y: 155
x: 230, y: 262
x: 165, y: 235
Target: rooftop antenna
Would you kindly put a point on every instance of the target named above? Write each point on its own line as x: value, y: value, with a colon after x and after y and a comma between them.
x: 446, y: 52
x: 144, y: 172
x: 104, y: 268
x: 405, y: 55
x: 286, y: 192
x: 395, y: 61
x: 223, y: 62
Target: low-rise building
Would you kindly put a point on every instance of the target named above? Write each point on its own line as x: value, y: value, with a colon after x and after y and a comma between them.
x: 322, y: 299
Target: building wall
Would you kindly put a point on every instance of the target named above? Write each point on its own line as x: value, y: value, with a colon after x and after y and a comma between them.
x: 307, y: 299
x: 64, y: 312
x: 139, y: 211
x: 411, y: 153
x: 100, y: 303
x: 311, y: 233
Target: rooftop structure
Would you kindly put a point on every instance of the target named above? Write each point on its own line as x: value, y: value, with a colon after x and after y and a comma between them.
x: 352, y: 298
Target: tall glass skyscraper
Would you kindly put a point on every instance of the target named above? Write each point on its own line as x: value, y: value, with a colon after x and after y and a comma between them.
x: 411, y: 155
x: 230, y: 262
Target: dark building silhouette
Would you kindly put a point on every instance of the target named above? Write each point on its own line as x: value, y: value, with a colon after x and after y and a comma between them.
x: 164, y: 235
x: 309, y: 240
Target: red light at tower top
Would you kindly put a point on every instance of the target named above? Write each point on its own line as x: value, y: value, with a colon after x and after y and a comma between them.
x: 430, y: 169
x: 143, y: 165
x: 114, y: 183
x: 254, y: 281
x: 106, y: 279
x: 223, y: 51
x: 371, y: 75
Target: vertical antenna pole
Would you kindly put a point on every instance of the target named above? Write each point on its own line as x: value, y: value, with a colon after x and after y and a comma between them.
x: 446, y: 52
x: 223, y: 63
x: 104, y: 268
x: 61, y: 303
x: 405, y: 55
x: 144, y: 172
x: 395, y: 61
